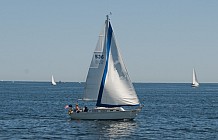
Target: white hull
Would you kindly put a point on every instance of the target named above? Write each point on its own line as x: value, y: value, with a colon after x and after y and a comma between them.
x: 105, y: 114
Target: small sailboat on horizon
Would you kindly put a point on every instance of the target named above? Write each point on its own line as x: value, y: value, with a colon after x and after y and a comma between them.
x: 108, y: 83
x: 53, y: 81
x: 194, y: 79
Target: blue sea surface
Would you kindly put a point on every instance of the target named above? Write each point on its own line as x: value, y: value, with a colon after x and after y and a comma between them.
x: 172, y: 111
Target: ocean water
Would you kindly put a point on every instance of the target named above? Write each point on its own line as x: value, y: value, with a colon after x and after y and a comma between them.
x: 35, y: 110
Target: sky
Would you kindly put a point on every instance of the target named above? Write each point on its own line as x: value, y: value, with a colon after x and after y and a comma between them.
x: 160, y: 41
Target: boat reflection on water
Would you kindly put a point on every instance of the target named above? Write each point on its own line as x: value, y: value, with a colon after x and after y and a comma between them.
x: 120, y: 129
x: 103, y: 129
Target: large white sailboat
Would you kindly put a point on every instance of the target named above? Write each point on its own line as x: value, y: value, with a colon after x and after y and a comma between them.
x: 194, y: 79
x: 108, y: 83
x: 53, y: 81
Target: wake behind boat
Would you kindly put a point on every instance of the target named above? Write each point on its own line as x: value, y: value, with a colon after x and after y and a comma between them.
x: 107, y: 83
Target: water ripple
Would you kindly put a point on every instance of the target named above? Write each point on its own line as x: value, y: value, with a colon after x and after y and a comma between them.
x: 35, y: 110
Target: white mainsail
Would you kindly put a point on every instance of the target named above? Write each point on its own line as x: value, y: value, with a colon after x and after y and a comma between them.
x: 194, y: 79
x: 108, y: 81
x: 53, y: 81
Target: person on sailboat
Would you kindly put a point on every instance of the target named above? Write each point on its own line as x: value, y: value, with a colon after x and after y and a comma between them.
x: 70, y: 110
x: 77, y: 108
x: 85, y: 109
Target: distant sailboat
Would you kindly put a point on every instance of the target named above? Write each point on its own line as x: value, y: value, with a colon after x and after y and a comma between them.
x: 194, y: 79
x: 108, y: 83
x: 53, y: 81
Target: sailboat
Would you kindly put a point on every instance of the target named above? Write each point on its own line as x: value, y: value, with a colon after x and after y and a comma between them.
x: 108, y: 83
x: 194, y: 79
x: 53, y: 81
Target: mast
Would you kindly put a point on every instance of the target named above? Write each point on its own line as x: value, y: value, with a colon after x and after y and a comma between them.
x: 107, y: 43
x: 108, y: 16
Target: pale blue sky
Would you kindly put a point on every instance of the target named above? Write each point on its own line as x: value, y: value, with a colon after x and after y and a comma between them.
x: 160, y: 40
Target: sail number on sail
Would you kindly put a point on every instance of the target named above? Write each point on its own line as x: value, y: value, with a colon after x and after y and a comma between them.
x: 98, y: 56
x: 99, y: 59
